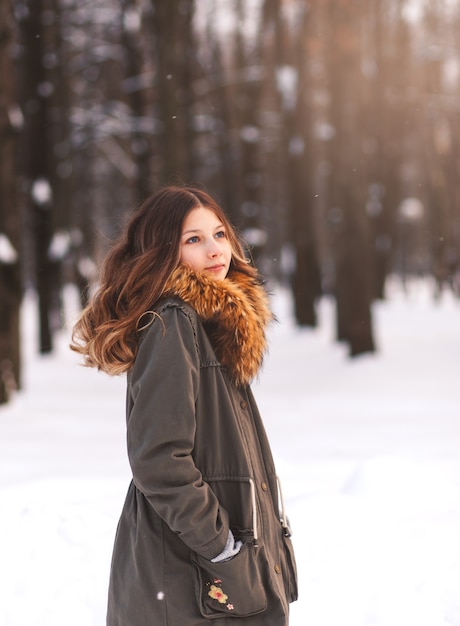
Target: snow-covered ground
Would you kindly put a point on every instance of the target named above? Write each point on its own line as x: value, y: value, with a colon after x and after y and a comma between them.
x: 368, y: 451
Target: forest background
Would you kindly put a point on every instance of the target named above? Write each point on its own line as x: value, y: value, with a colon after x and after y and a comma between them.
x: 328, y: 130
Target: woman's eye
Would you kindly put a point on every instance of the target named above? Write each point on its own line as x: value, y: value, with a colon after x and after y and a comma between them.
x: 221, y: 233
x: 193, y: 239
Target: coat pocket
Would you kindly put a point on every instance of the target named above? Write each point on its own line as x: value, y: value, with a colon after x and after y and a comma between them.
x: 291, y: 579
x: 234, y: 588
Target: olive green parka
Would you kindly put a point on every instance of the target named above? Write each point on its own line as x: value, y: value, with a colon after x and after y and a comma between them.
x: 201, y: 465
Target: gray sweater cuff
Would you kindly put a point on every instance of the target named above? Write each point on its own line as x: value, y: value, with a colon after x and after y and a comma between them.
x: 231, y: 549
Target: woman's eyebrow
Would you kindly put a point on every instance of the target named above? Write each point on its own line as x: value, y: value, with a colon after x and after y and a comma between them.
x: 198, y: 230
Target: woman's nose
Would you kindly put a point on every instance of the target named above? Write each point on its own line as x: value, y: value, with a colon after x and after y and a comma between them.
x: 213, y: 249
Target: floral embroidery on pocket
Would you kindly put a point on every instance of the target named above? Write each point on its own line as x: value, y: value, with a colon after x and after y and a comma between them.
x: 216, y: 593
x: 237, y: 588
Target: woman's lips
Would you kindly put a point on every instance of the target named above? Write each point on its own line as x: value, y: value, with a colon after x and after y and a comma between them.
x: 215, y: 268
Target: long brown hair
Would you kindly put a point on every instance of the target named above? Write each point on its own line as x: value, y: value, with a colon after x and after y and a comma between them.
x: 134, y: 274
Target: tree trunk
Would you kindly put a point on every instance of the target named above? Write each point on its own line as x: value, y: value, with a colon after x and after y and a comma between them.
x: 10, y: 222
x: 306, y: 284
x: 38, y: 90
x: 135, y: 66
x: 174, y: 57
x: 348, y: 181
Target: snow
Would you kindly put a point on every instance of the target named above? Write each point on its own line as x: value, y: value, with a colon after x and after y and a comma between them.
x: 60, y: 245
x: 41, y: 189
x: 367, y: 451
x: 8, y: 254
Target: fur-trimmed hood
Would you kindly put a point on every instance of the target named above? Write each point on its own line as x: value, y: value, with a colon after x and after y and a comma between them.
x: 235, y: 313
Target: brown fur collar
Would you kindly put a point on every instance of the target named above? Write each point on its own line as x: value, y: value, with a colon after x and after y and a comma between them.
x: 235, y: 313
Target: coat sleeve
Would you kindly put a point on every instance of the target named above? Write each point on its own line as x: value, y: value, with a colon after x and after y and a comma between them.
x: 161, y: 432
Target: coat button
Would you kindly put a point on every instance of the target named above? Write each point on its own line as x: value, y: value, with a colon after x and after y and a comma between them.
x: 264, y: 486
x: 277, y: 569
x: 244, y: 405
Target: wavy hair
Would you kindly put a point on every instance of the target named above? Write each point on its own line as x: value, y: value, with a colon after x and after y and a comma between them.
x: 134, y: 273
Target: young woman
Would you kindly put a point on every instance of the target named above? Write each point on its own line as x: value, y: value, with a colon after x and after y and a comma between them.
x: 183, y: 313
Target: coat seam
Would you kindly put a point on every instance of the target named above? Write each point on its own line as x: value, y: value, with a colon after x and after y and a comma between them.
x: 191, y: 315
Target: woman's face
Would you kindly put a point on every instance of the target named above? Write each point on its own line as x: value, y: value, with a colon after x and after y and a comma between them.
x: 204, y: 244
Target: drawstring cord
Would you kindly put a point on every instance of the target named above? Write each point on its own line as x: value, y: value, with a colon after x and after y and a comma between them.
x: 284, y: 520
x: 254, y: 513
